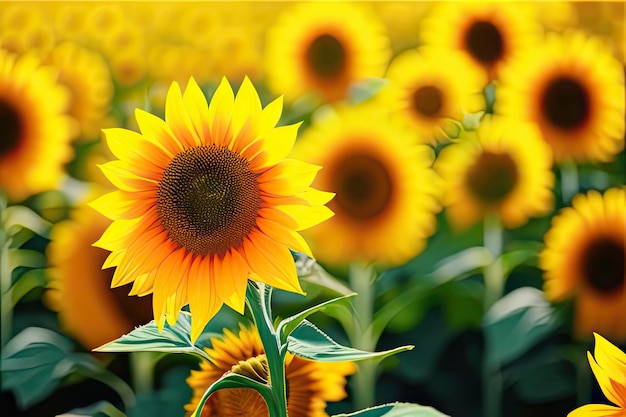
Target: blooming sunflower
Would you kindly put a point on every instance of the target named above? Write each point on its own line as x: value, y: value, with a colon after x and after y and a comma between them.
x: 573, y: 89
x: 206, y: 199
x: 503, y: 168
x: 426, y: 91
x: 386, y: 191
x: 309, y: 384
x: 79, y: 291
x: 315, y: 48
x: 35, y: 133
x: 584, y: 256
x: 490, y: 34
x: 608, y: 364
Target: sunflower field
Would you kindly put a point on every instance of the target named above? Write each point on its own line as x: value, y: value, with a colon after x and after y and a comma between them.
x: 309, y: 209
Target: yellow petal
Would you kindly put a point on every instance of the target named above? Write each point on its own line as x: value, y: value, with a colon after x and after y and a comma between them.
x: 158, y: 132
x: 178, y: 119
x: 306, y: 216
x: 247, y: 110
x: 198, y: 110
x: 277, y: 145
x: 220, y: 112
x: 203, y: 301
x: 604, y: 380
x: 597, y: 410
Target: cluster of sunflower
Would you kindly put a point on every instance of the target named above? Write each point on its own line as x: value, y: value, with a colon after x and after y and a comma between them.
x: 467, y: 157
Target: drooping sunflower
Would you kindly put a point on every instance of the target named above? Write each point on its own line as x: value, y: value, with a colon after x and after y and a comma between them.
x: 35, y: 133
x: 207, y: 199
x: 503, y: 168
x: 584, y: 257
x: 490, y: 34
x: 315, y: 48
x: 427, y: 92
x: 310, y: 384
x: 386, y: 191
x: 79, y: 289
x: 573, y: 89
x: 608, y: 364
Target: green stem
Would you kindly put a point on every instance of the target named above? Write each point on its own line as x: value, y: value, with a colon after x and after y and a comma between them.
x: 364, y: 382
x: 258, y: 298
x: 569, y: 180
x: 494, y: 288
x: 142, y: 371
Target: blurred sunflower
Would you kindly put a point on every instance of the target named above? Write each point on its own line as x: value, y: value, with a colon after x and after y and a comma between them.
x: 205, y: 200
x: 573, y: 89
x: 427, y: 92
x: 386, y: 191
x: 584, y: 256
x: 608, y: 364
x: 309, y: 384
x: 86, y: 75
x: 503, y: 168
x: 35, y: 133
x: 490, y: 34
x: 89, y: 310
x: 315, y: 48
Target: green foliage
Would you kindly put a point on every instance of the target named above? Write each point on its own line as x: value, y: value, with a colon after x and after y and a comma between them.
x: 396, y: 410
x: 99, y: 409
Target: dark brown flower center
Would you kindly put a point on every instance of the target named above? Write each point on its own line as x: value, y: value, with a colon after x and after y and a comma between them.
x: 427, y: 101
x: 492, y: 177
x: 484, y: 42
x: 566, y: 103
x: 363, y: 186
x: 11, y: 128
x: 208, y: 199
x: 603, y: 264
x: 326, y: 56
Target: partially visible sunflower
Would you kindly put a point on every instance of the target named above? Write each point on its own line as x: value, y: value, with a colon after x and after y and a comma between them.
x: 573, y: 89
x: 427, y: 91
x: 490, y: 34
x: 35, y: 133
x: 309, y: 384
x: 79, y: 289
x: 608, y: 364
x: 207, y: 199
x: 584, y: 256
x: 503, y: 168
x: 386, y: 191
x: 323, y: 48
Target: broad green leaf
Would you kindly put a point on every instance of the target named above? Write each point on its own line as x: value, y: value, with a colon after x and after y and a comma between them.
x: 99, y: 409
x: 16, y: 217
x: 396, y: 410
x: 28, y: 281
x: 362, y: 90
x: 517, y: 322
x: 173, y: 339
x: 317, y: 275
x: 309, y: 342
x: 512, y: 259
x: 26, y: 257
x: 461, y: 264
x: 288, y: 325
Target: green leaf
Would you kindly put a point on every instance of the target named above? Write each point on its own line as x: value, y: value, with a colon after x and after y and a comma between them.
x: 396, y: 410
x: 362, y: 90
x: 26, y: 257
x: 288, y: 325
x: 173, y: 339
x: 512, y: 259
x: 515, y: 323
x: 14, y: 218
x: 28, y: 281
x: 461, y: 264
x: 317, y: 275
x: 309, y: 342
x: 99, y: 409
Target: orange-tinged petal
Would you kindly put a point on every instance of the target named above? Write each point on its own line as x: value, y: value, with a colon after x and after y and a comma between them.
x: 604, y: 380
x: 122, y: 205
x: 597, y: 410
x: 238, y: 268
x: 117, y: 172
x: 131, y: 146
x: 203, y: 301
x: 283, y: 235
x: 158, y: 132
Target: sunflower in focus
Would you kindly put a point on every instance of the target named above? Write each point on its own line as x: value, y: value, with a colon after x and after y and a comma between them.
x: 386, y: 191
x: 314, y: 47
x: 503, y: 168
x: 35, y: 134
x: 427, y: 92
x: 78, y: 288
x: 489, y: 34
x: 584, y: 256
x: 573, y: 89
x: 207, y: 199
x: 309, y: 384
x: 608, y: 364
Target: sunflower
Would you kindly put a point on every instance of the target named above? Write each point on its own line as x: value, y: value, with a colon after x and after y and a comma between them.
x: 35, y: 133
x: 207, y: 199
x: 489, y: 34
x: 608, y: 364
x: 503, y: 168
x: 309, y: 384
x: 315, y: 48
x: 386, y: 191
x: 427, y: 91
x: 79, y: 289
x: 86, y: 75
x: 584, y: 257
x: 573, y: 89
